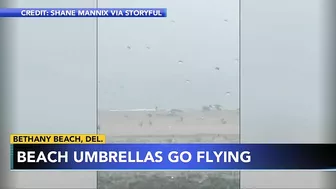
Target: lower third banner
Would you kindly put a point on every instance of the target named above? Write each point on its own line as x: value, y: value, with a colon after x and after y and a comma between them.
x: 172, y: 156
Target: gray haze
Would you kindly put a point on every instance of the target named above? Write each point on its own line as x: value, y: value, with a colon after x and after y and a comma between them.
x: 283, y: 81
x: 54, y: 71
x: 139, y: 58
x: 55, y: 61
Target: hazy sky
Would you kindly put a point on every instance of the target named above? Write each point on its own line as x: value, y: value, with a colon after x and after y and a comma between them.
x: 54, y: 70
x: 139, y: 59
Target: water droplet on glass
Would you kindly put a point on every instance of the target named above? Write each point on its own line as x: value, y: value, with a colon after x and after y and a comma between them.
x: 228, y: 93
x: 187, y: 81
x: 180, y: 62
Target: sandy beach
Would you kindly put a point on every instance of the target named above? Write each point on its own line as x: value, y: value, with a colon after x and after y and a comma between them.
x: 185, y: 126
x: 136, y: 124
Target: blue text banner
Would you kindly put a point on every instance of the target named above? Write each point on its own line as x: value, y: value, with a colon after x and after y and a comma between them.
x: 173, y: 156
x: 83, y: 12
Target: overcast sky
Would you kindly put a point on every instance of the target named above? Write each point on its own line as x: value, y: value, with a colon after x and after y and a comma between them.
x: 165, y: 62
x: 55, y: 62
x: 170, y: 62
x: 54, y: 71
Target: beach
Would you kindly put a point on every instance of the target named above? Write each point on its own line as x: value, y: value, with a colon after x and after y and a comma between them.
x: 169, y: 126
